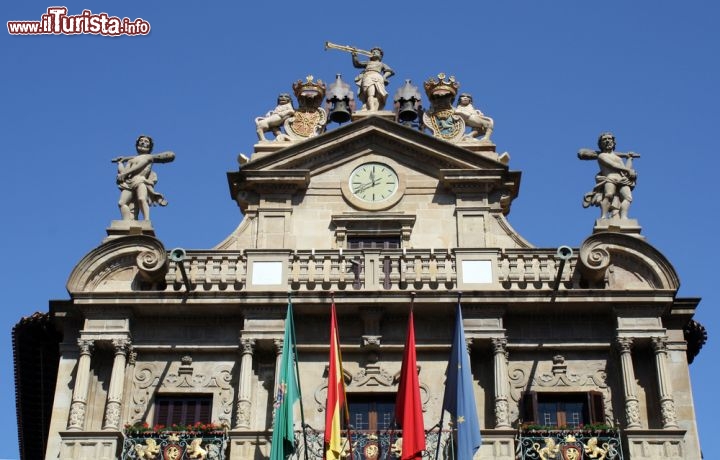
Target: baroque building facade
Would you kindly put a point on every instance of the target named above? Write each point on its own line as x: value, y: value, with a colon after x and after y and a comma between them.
x: 381, y: 211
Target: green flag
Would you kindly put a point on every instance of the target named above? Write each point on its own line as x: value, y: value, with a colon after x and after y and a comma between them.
x: 283, y: 437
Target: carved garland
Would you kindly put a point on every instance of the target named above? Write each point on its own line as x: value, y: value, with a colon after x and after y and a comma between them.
x: 519, y: 381
x: 371, y: 377
x: 146, y: 383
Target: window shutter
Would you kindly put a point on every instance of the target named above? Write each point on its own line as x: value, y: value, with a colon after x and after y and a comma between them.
x: 596, y: 404
x: 529, y: 407
x: 183, y: 410
x: 204, y: 413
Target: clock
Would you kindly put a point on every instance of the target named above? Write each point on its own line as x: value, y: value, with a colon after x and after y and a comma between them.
x: 373, y: 182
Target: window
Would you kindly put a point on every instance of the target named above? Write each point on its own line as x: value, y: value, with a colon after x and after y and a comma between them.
x: 563, y: 409
x: 371, y: 412
x: 182, y: 410
x: 374, y: 242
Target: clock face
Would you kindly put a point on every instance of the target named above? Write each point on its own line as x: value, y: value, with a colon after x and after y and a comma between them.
x: 373, y: 182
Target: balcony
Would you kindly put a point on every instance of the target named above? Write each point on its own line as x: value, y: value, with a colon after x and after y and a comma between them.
x: 374, y: 269
x: 182, y: 445
x: 371, y: 445
x: 539, y: 443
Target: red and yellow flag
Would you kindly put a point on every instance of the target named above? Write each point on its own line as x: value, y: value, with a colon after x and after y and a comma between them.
x: 336, y: 407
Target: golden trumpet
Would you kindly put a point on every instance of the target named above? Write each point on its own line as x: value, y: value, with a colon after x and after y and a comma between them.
x: 349, y: 49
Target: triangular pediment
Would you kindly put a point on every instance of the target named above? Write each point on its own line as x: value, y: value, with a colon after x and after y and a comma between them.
x: 295, y: 164
x: 378, y: 135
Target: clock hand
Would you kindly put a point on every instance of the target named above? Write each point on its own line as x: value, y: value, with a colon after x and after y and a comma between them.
x: 364, y: 187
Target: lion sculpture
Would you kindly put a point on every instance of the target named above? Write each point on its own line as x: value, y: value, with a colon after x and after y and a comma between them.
x: 147, y: 451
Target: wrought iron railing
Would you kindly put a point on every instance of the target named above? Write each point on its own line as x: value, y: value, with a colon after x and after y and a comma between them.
x: 175, y: 446
x: 569, y: 445
x: 371, y: 445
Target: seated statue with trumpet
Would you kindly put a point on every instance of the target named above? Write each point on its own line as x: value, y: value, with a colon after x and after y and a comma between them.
x: 373, y: 79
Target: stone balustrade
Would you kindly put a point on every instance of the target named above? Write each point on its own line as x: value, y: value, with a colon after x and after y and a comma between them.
x: 372, y: 269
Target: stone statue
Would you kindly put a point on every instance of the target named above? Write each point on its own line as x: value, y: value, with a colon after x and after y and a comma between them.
x: 615, y: 181
x: 372, y: 80
x: 274, y: 119
x: 474, y: 118
x: 136, y: 180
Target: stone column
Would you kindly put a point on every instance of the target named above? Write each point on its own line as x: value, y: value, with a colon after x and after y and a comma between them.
x: 278, y: 362
x: 667, y: 403
x: 502, y: 413
x: 76, y: 421
x: 632, y: 406
x: 244, y: 404
x: 117, y: 382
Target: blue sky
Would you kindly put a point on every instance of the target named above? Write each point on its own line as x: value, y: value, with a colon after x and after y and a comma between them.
x: 553, y: 75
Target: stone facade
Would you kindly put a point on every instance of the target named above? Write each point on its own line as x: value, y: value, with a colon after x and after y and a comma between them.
x: 603, y: 321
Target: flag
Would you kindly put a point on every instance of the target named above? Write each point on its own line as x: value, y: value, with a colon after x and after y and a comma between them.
x: 459, y: 398
x: 288, y: 393
x: 336, y: 406
x: 408, y: 410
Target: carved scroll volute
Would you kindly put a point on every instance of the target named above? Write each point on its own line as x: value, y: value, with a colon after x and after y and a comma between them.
x: 594, y: 260
x: 152, y: 264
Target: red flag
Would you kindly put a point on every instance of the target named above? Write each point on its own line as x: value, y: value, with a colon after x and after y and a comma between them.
x: 408, y: 410
x: 336, y: 405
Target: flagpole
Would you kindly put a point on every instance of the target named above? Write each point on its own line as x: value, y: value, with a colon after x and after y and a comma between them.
x: 297, y: 373
x: 442, y: 411
x: 346, y: 410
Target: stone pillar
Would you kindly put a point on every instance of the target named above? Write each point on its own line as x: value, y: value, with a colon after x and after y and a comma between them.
x: 244, y: 404
x: 667, y: 403
x: 632, y: 406
x: 76, y: 421
x: 278, y: 362
x: 502, y: 413
x: 117, y: 382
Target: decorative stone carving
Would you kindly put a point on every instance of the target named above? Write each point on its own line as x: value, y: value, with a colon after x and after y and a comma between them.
x: 274, y: 119
x: 117, y: 381
x: 211, y: 378
x: 152, y: 264
x: 372, y: 80
x: 479, y: 123
x: 76, y: 420
x: 519, y: 380
x: 136, y: 180
x: 243, y: 413
x: 111, y: 262
x: 620, y: 261
x: 77, y: 416
x: 372, y: 375
x: 441, y: 118
x: 309, y: 119
x: 667, y: 403
x: 632, y: 412
x: 615, y: 181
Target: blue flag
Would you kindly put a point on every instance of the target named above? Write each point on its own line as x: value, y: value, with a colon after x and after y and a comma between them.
x: 459, y: 399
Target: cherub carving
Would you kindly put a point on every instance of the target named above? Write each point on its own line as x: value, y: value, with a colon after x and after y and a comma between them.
x: 148, y: 451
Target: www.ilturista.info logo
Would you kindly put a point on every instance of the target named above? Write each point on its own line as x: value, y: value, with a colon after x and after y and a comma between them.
x: 57, y: 22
